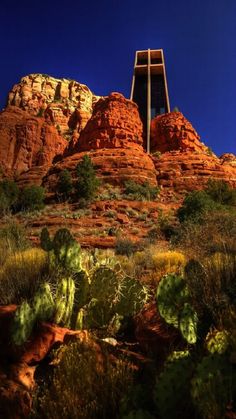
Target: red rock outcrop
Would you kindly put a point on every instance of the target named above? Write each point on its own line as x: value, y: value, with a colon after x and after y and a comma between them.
x: 27, y: 141
x: 172, y: 131
x: 153, y: 333
x: 184, y: 163
x: 115, y: 123
x: 113, y: 138
x: 229, y: 159
x: 180, y: 172
x: 65, y: 103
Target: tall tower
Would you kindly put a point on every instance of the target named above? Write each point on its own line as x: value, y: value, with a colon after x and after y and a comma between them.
x: 149, y: 87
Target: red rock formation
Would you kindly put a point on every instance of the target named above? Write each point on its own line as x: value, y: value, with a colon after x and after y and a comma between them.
x: 113, y: 138
x: 27, y: 141
x: 185, y: 163
x: 180, y: 172
x: 229, y: 159
x: 172, y: 131
x: 153, y: 333
x: 115, y: 123
x: 58, y: 100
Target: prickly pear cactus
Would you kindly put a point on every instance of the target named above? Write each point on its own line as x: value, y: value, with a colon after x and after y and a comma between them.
x: 172, y: 294
x: 217, y: 341
x: 133, y: 295
x: 114, y: 324
x: 66, y: 250
x: 97, y: 314
x: 82, y: 290
x: 212, y: 386
x: 72, y: 257
x: 64, y: 301
x: 188, y: 323
x: 43, y: 304
x: 173, y: 304
x: 172, y: 393
x: 23, y: 324
x: 61, y: 238
x: 105, y: 285
x: 175, y: 355
x: 79, y: 324
x: 45, y: 241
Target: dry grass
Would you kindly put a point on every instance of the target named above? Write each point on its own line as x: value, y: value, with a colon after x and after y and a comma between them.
x: 21, y: 274
x: 152, y: 263
x: 87, y: 383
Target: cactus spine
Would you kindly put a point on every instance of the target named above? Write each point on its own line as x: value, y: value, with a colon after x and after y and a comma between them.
x: 133, y: 296
x: 64, y: 301
x: 43, y: 304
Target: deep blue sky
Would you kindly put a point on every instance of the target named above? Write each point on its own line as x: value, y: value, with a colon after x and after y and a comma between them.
x: 94, y: 42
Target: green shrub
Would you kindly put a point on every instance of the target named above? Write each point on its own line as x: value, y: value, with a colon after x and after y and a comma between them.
x: 125, y: 247
x: 14, y: 237
x: 213, y: 288
x: 40, y: 112
x: 221, y: 192
x: 64, y: 184
x: 209, y: 151
x: 87, y: 182
x: 9, y: 193
x: 176, y: 109
x: 141, y: 191
x: 32, y: 198
x: 215, y: 233
x: 156, y: 154
x: 195, y: 205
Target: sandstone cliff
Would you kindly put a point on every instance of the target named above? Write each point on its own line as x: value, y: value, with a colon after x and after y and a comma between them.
x: 42, y: 116
x: 27, y: 141
x: 66, y: 103
x: 173, y: 131
x: 182, y: 162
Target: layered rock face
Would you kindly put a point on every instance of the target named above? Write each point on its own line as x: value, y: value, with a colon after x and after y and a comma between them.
x: 113, y: 138
x: 229, y: 159
x: 65, y: 103
x: 115, y: 123
x: 172, y: 131
x: 184, y: 163
x: 182, y: 172
x: 27, y: 142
